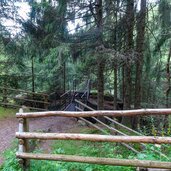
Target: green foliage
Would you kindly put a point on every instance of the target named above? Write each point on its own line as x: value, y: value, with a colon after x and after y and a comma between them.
x: 11, y: 163
x: 5, y: 112
x: 82, y: 148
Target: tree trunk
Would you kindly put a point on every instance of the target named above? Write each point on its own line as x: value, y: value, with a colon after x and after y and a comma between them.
x: 140, y: 56
x: 64, y: 77
x: 127, y: 67
x: 168, y: 75
x: 32, y: 71
x: 129, y: 48
x: 100, y: 77
x: 101, y: 62
x: 115, y: 62
x: 115, y: 87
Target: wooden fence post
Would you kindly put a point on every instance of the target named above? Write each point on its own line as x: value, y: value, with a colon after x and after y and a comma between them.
x: 45, y: 102
x: 23, y: 144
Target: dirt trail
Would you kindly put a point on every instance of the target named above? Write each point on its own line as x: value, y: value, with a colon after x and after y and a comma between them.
x: 9, y: 126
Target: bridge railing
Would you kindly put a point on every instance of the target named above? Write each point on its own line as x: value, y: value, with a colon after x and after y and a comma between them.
x: 24, y: 135
x: 65, y: 99
x: 17, y: 97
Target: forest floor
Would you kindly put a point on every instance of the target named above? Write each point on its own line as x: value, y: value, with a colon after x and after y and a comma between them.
x: 9, y: 125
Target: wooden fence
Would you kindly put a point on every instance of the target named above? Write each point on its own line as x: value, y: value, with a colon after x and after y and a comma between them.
x: 24, y: 135
x: 8, y: 97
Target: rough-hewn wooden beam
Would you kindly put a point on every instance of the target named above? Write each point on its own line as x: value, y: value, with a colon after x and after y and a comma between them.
x: 95, y: 137
x: 114, y: 113
x: 96, y: 160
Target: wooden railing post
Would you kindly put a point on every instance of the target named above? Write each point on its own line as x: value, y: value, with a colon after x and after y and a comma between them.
x: 45, y: 102
x: 20, y: 141
x: 23, y: 143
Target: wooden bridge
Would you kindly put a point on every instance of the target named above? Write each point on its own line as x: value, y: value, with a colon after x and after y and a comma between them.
x: 10, y: 97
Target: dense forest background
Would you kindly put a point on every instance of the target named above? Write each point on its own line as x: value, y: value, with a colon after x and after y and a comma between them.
x: 123, y: 46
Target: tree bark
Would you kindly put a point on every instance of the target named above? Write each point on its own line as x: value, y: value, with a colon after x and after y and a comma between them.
x: 115, y: 62
x: 117, y: 113
x: 100, y: 99
x: 101, y: 62
x: 32, y: 71
x: 127, y: 67
x: 140, y: 56
x: 64, y: 77
x: 115, y: 87
x: 129, y: 48
x: 96, y: 160
x: 168, y: 75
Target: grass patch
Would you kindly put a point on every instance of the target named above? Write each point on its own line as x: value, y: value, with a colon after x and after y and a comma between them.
x: 7, y: 112
x: 92, y: 149
x: 85, y: 148
x: 10, y: 161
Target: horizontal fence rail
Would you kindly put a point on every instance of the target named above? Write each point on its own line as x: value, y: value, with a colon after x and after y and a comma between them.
x: 95, y: 137
x: 116, y: 113
x: 96, y: 160
x: 33, y: 100
x: 24, y: 135
x: 24, y: 91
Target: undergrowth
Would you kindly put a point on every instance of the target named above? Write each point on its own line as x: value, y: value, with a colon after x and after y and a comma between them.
x: 6, y: 112
x: 85, y: 148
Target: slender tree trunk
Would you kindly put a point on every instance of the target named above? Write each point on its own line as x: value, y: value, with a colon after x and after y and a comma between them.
x: 32, y: 70
x: 127, y: 67
x: 115, y: 87
x: 4, y: 92
x: 139, y: 49
x: 129, y: 48
x: 168, y: 76
x: 100, y: 99
x: 140, y: 57
x: 101, y: 62
x: 62, y: 12
x: 64, y: 76
x: 115, y: 62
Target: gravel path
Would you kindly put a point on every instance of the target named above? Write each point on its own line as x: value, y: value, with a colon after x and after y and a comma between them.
x: 9, y: 126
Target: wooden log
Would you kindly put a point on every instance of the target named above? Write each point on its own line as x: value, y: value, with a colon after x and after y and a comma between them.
x: 122, y: 126
x: 23, y: 143
x: 116, y: 113
x: 128, y: 129
x: 110, y: 119
x: 103, y: 131
x: 26, y: 144
x: 26, y: 129
x: 24, y: 91
x: 21, y: 129
x: 119, y: 132
x: 9, y: 104
x: 46, y: 103
x: 68, y: 92
x: 95, y: 137
x: 18, y: 106
x: 109, y: 127
x: 96, y: 160
x: 82, y: 104
x: 93, y: 125
x: 36, y: 101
